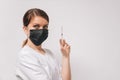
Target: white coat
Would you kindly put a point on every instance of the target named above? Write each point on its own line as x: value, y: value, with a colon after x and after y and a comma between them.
x: 32, y: 65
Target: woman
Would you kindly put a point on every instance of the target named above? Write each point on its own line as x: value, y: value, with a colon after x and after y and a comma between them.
x: 35, y: 62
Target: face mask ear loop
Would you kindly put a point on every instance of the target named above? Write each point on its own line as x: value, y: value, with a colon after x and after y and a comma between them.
x: 28, y: 34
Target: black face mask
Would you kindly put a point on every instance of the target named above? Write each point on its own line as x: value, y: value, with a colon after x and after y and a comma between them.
x: 38, y: 36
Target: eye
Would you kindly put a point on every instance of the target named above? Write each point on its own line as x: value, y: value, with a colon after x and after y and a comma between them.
x: 45, y: 27
x: 36, y: 26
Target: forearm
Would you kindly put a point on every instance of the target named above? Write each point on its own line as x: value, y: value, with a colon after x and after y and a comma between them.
x: 66, y: 70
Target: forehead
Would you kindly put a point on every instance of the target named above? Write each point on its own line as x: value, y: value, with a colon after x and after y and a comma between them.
x: 38, y: 20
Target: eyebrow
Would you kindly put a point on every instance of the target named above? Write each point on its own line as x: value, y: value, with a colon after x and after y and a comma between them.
x: 39, y: 24
x: 45, y: 25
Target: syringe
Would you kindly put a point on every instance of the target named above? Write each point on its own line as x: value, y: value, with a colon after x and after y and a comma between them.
x: 61, y: 32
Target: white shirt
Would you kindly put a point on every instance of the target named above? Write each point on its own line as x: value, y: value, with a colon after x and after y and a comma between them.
x: 32, y: 65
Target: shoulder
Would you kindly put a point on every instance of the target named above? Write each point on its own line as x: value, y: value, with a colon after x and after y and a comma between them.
x: 25, y: 54
x: 26, y: 51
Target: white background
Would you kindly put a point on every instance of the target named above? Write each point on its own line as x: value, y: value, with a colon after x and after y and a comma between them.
x: 91, y: 27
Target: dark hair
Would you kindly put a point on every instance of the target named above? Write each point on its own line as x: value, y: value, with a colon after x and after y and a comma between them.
x: 30, y: 14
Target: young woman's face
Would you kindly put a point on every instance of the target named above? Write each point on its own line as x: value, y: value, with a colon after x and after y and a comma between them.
x: 36, y: 23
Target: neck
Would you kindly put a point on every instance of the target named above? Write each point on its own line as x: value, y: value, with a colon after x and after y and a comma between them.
x: 30, y: 44
x: 36, y: 48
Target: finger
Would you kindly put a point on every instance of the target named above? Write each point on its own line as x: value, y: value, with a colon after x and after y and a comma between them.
x: 67, y: 45
x: 62, y: 42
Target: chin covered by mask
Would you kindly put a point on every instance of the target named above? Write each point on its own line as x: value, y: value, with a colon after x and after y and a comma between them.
x: 38, y: 36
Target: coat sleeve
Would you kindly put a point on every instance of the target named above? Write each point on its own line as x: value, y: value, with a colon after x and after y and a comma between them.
x: 31, y: 68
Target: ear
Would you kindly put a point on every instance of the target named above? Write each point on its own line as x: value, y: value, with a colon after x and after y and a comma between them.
x: 25, y: 29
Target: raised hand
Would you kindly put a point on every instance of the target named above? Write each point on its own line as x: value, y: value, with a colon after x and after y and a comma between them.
x: 65, y: 48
